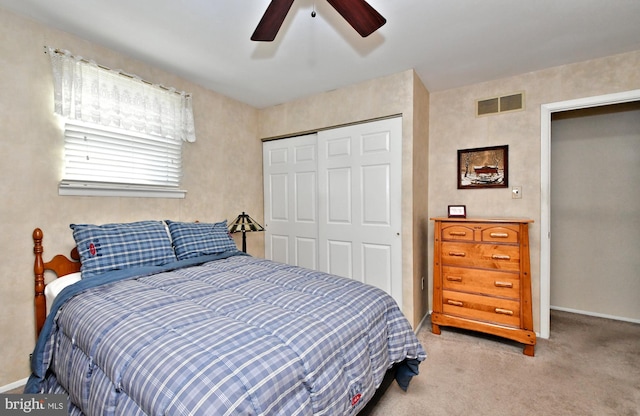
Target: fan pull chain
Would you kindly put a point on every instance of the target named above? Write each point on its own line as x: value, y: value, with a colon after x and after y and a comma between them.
x: 313, y: 12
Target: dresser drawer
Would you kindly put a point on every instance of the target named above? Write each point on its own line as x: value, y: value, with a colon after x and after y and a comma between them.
x: 499, y: 234
x: 502, y: 233
x: 485, y: 308
x: 487, y: 256
x: 462, y: 232
x: 502, y: 284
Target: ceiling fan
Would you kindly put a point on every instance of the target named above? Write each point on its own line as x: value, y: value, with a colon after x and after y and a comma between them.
x: 358, y: 13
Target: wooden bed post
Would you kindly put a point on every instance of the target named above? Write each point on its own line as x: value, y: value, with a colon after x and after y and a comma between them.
x: 38, y: 271
x: 59, y: 264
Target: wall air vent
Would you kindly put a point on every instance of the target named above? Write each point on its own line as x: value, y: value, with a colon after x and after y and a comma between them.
x: 495, y: 105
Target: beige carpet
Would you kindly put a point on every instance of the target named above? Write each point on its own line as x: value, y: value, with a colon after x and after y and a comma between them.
x: 588, y: 366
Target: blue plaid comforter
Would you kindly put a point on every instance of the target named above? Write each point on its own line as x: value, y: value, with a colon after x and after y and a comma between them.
x: 234, y: 336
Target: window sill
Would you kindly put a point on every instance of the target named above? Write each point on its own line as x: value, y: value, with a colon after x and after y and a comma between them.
x: 77, y: 188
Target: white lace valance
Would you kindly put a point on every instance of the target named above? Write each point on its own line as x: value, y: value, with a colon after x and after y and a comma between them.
x: 90, y: 93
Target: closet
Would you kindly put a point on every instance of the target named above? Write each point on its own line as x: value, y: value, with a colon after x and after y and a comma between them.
x: 332, y: 202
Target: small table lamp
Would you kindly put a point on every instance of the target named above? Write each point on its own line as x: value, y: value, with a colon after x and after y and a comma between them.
x: 244, y: 223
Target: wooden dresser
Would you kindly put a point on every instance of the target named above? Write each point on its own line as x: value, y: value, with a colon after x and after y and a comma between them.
x: 482, y: 277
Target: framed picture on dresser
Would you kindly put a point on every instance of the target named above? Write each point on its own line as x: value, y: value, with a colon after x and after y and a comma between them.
x: 483, y: 167
x: 457, y: 211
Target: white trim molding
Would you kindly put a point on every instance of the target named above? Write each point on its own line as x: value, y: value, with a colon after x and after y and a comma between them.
x: 82, y: 188
x: 597, y: 315
x: 14, y: 385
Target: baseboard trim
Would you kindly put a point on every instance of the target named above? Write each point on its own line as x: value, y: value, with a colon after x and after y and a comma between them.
x: 14, y: 385
x: 424, y: 318
x: 597, y: 315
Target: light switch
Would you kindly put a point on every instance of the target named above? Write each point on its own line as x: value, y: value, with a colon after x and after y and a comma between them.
x: 516, y: 192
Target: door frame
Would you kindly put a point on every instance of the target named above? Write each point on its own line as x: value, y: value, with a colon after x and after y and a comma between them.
x: 545, y: 188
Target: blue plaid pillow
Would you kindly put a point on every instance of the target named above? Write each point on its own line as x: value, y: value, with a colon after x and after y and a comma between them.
x: 107, y: 247
x: 193, y: 239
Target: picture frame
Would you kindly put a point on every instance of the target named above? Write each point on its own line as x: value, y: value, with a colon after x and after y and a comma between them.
x: 483, y: 167
x: 457, y: 211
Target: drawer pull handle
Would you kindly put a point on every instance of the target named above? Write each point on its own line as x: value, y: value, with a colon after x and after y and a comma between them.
x: 454, y: 302
x: 458, y: 233
x: 504, y: 311
x: 500, y: 257
x: 457, y: 254
x: 499, y: 235
x: 503, y: 284
x: 454, y: 278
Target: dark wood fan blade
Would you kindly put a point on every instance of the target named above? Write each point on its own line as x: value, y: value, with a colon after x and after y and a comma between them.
x: 360, y: 15
x: 271, y: 21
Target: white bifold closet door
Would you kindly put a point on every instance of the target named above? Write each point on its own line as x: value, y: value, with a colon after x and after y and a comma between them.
x: 333, y: 202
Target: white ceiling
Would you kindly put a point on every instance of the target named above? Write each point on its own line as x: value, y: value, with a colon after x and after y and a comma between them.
x: 449, y: 43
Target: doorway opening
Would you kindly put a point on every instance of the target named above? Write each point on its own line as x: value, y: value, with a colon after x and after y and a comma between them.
x: 545, y: 181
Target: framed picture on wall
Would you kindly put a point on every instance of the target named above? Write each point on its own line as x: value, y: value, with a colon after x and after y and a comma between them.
x: 483, y: 167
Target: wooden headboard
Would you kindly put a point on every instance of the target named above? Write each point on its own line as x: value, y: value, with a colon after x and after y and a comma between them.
x: 61, y: 265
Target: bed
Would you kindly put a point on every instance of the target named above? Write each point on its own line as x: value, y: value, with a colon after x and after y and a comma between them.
x: 165, y: 317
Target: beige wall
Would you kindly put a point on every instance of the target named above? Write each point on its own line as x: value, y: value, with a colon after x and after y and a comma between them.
x: 421, y: 243
x: 31, y: 143
x: 454, y: 126
x: 401, y: 93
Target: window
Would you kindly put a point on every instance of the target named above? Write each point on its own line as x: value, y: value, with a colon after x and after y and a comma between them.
x: 122, y: 136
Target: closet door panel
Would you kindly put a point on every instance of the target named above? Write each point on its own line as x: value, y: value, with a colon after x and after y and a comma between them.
x: 376, y: 202
x: 338, y: 196
x: 307, y: 253
x: 340, y: 258
x: 362, y: 207
x: 306, y: 202
x: 291, y: 200
x: 279, y: 184
x: 376, y: 266
x: 279, y: 245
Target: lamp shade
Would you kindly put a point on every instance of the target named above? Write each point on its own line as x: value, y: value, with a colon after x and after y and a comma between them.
x: 244, y: 224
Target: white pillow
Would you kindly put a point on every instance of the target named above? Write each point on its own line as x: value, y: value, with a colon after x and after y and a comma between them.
x: 52, y: 289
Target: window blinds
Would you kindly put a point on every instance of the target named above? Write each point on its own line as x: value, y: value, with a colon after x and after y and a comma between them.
x: 114, y: 157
